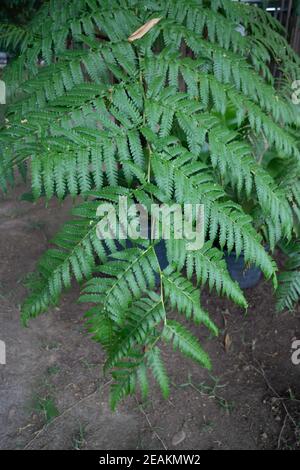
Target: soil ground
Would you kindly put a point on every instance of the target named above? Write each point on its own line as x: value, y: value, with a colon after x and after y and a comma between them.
x: 53, y: 394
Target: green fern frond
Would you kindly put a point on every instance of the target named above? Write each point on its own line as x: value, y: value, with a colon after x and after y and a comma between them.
x: 158, y: 370
x: 141, y: 320
x: 185, y: 298
x: 209, y: 266
x: 183, y: 340
x: 77, y: 245
x: 288, y: 293
x: 192, y: 182
x: 175, y: 115
x: 131, y: 272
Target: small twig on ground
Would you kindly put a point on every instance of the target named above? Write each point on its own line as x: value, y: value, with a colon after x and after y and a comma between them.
x: 281, y: 432
x: 150, y: 425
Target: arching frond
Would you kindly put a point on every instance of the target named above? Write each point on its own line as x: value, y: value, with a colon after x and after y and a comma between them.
x: 186, y: 111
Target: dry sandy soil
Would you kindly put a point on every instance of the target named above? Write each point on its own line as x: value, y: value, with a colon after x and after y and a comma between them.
x: 53, y: 394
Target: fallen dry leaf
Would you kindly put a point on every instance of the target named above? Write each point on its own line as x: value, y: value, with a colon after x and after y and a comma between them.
x: 139, y: 33
x: 178, y: 438
x: 227, y: 342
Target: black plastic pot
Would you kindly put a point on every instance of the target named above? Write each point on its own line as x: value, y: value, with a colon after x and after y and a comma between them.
x: 161, y: 253
x: 246, y: 276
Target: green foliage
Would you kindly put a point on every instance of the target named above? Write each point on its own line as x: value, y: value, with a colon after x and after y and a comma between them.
x: 47, y: 407
x: 187, y: 113
x: 19, y: 12
x: 289, y: 288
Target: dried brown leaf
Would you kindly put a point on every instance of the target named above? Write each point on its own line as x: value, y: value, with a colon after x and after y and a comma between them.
x: 139, y: 33
x: 227, y: 342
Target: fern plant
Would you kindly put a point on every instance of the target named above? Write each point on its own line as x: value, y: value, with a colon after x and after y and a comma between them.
x: 159, y: 101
